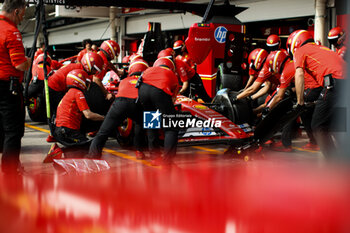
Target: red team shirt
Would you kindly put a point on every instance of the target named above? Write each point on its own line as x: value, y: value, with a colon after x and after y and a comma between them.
x: 253, y: 72
x: 185, y: 67
x: 181, y: 68
x: 38, y: 71
x: 162, y: 78
x: 266, y: 75
x: 11, y: 50
x: 57, y: 81
x: 81, y: 54
x: 310, y: 57
x: 341, y: 52
x: 127, y: 88
x: 192, y: 66
x: 38, y: 52
x: 70, y: 110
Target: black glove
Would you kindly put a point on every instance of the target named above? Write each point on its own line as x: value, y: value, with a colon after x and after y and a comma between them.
x: 234, y: 99
x: 264, y: 112
x: 298, y: 107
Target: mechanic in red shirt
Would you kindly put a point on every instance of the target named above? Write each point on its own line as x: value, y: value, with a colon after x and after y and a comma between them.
x: 264, y: 81
x: 256, y: 61
x: 186, y: 65
x: 273, y: 42
x: 91, y: 63
x: 327, y: 68
x: 124, y: 106
x: 69, y: 116
x: 257, y: 89
x: 87, y: 45
x: 157, y: 92
x: 36, y: 85
x: 336, y: 37
x: 280, y: 62
x: 109, y: 50
x: 13, y: 63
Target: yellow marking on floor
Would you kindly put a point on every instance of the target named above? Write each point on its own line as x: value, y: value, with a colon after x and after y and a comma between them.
x: 129, y: 157
x: 113, y: 152
x: 301, y: 149
x: 207, y: 149
x: 207, y: 152
x: 36, y: 128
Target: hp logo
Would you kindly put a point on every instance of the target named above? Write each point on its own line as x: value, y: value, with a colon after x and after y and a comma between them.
x: 220, y: 34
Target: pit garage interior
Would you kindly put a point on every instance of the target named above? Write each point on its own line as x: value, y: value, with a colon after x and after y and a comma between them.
x: 207, y: 189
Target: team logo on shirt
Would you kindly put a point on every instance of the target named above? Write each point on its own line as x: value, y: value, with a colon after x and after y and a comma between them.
x: 151, y: 119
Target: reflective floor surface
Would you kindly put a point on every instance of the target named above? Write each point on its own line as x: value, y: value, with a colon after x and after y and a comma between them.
x: 204, y: 191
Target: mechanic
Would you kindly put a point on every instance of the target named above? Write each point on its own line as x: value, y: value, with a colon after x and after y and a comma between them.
x: 336, y: 37
x: 90, y: 63
x: 256, y: 61
x: 124, y: 106
x: 109, y: 50
x: 125, y: 66
x: 69, y: 116
x: 36, y: 86
x: 265, y: 83
x: 158, y: 89
x: 279, y: 62
x: 273, y: 43
x: 55, y: 65
x: 327, y: 68
x: 87, y: 45
x: 265, y: 79
x: 13, y: 63
x: 184, y: 64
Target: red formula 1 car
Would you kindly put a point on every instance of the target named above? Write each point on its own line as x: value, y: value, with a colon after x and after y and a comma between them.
x: 225, y: 131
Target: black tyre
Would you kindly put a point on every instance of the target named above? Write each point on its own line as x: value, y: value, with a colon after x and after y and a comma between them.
x: 125, y: 134
x: 233, y: 82
x: 238, y: 112
x: 98, y: 104
x: 242, y: 109
x: 36, y: 109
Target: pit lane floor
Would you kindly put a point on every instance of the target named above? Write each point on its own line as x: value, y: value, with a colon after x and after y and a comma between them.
x: 35, y: 147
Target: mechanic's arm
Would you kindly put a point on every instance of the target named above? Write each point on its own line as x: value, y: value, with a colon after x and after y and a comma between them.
x: 93, y: 116
x: 249, y: 91
x: 104, y: 90
x: 119, y: 72
x: 25, y: 65
x: 184, y: 87
x: 278, y: 97
x: 250, y: 81
x: 299, y: 85
x: 262, y: 91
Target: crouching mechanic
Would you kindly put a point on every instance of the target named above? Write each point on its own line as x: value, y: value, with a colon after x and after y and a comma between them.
x: 69, y: 116
x: 157, y: 92
x: 91, y: 63
x: 124, y: 106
